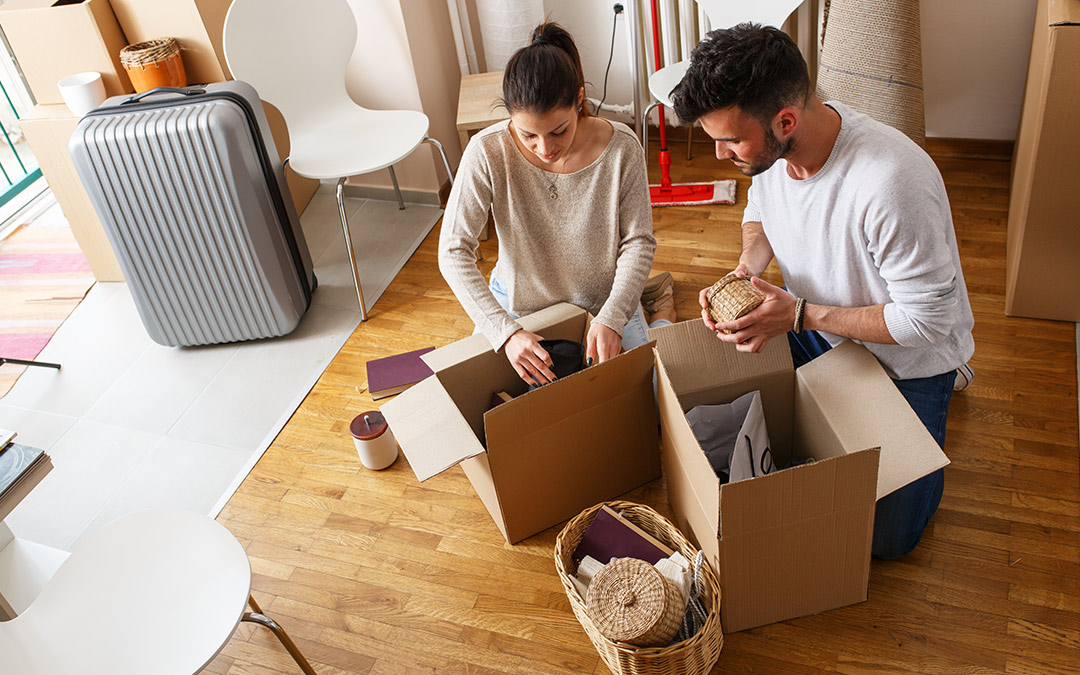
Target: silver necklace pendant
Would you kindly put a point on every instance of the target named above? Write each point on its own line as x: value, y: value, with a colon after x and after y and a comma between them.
x: 554, y: 193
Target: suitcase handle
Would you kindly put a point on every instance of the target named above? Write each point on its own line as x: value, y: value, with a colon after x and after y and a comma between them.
x: 185, y: 91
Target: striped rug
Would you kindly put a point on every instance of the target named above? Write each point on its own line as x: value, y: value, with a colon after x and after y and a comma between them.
x: 43, y: 276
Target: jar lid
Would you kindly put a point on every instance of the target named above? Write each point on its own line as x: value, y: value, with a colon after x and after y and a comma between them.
x: 368, y: 425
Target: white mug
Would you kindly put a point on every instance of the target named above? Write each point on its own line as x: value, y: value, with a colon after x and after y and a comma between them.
x: 82, y: 92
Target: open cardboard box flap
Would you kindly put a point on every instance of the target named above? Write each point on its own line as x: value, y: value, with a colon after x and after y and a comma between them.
x: 868, y: 411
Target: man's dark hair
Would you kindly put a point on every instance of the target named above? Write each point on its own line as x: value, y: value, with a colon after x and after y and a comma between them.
x: 757, y: 68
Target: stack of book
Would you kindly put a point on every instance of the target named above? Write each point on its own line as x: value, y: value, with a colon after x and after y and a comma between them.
x: 21, y: 468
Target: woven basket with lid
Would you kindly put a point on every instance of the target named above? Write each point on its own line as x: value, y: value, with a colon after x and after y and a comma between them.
x: 630, y: 601
x: 732, y: 297
x: 693, y: 656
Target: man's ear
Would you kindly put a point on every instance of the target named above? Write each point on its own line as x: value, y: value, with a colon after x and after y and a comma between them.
x: 785, y: 122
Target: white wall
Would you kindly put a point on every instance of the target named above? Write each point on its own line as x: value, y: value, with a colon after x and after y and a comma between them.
x: 975, y: 56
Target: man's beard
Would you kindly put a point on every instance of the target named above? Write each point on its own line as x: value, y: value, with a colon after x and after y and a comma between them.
x: 773, y: 151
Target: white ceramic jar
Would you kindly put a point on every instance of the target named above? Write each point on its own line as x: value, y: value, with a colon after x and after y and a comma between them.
x: 374, y: 442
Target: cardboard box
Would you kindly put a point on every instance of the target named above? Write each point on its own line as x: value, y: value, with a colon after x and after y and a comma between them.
x: 47, y: 129
x: 53, y: 39
x: 1042, y: 278
x: 797, y: 541
x: 550, y: 453
x: 196, y: 24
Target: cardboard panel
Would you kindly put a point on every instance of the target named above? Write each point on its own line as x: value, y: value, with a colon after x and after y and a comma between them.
x: 478, y: 471
x: 1042, y: 240
x: 868, y: 411
x: 47, y: 129
x: 697, y: 523
x: 681, y: 448
x: 425, y: 412
x: 1064, y: 12
x: 823, y: 511
x: 197, y: 26
x: 539, y: 409
x: 53, y: 42
x: 694, y: 356
x: 706, y: 371
x: 554, y: 472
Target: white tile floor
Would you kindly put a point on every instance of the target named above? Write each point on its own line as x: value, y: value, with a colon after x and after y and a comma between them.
x: 131, y: 424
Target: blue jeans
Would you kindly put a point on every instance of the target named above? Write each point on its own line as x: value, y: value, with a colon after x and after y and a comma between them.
x: 900, y: 517
x: 634, y: 333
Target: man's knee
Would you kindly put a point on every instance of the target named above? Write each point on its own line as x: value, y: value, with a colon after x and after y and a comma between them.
x: 901, y: 517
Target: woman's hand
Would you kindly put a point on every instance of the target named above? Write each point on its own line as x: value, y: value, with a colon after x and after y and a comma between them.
x: 602, y: 343
x: 528, y: 358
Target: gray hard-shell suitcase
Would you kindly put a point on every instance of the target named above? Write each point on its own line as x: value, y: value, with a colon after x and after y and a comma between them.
x: 193, y: 199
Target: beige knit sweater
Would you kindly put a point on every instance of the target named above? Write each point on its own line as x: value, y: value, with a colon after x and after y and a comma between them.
x: 592, y: 247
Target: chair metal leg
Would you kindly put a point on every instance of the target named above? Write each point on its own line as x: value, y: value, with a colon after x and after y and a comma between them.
x: 397, y: 190
x: 446, y: 163
x: 258, y: 617
x: 645, y: 129
x: 348, y: 244
x: 23, y: 362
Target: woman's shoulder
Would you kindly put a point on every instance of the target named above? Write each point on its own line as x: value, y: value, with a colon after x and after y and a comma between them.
x: 489, y: 145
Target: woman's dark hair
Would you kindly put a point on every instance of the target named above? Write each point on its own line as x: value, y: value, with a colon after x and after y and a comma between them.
x: 546, y: 74
x: 757, y: 68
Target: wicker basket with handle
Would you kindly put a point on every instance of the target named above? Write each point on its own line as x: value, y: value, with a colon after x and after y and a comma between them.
x: 732, y: 297
x: 693, y: 656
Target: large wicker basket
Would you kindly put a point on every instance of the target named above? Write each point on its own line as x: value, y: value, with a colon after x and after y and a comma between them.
x: 694, y: 656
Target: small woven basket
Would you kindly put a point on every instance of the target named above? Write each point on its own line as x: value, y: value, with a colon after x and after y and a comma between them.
x: 732, y: 297
x: 693, y: 656
x: 630, y: 601
x: 149, y: 52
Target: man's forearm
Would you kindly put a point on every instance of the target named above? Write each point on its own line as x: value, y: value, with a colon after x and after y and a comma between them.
x: 757, y: 252
x: 859, y: 323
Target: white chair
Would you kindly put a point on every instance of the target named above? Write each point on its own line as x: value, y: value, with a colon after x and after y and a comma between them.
x: 722, y: 14
x: 294, y: 52
x: 158, y: 591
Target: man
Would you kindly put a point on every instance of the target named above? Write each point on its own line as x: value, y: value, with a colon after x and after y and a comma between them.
x: 857, y: 217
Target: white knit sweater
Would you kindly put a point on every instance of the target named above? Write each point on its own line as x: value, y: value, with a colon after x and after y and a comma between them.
x: 873, y: 226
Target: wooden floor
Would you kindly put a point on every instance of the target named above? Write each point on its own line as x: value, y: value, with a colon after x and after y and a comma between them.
x: 372, y: 572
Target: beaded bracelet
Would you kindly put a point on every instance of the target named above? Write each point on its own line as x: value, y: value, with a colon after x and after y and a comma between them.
x: 800, y: 313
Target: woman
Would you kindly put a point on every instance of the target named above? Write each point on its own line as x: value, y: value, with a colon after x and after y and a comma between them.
x: 570, y: 200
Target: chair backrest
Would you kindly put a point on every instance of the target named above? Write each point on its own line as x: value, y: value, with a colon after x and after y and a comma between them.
x: 294, y: 52
x: 727, y: 13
